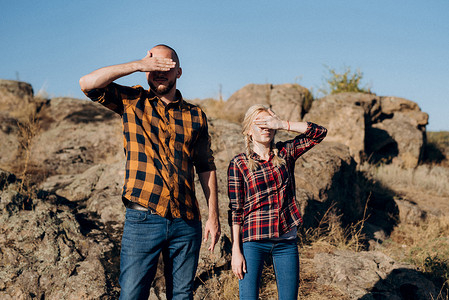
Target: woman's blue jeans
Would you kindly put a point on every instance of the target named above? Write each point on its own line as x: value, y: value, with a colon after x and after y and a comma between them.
x: 145, y: 236
x: 285, y: 263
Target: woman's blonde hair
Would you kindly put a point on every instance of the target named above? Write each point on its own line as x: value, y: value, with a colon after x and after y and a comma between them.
x: 250, y: 115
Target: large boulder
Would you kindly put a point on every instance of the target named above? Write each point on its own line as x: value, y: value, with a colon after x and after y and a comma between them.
x: 76, y: 135
x: 399, y: 133
x: 325, y: 179
x: 373, y: 127
x: 372, y: 275
x: 345, y: 116
x: 289, y: 101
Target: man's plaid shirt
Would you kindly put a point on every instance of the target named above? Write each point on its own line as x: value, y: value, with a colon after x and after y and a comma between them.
x: 163, y: 144
x: 263, y: 202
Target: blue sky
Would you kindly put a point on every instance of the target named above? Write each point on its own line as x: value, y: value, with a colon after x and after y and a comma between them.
x: 402, y: 47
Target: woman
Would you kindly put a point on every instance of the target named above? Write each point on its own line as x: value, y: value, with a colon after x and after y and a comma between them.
x: 261, y: 189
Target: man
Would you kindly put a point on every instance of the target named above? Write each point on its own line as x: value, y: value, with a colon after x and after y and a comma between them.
x: 165, y: 139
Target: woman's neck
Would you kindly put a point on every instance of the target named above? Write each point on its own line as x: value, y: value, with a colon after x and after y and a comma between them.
x: 262, y: 150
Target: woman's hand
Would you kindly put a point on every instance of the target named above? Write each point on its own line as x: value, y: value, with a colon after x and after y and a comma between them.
x: 238, y: 264
x: 270, y: 122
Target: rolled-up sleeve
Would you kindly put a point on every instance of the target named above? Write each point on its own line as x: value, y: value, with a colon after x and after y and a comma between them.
x: 235, y: 193
x: 112, y: 96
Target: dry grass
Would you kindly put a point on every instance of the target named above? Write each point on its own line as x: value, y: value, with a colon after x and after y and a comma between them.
x: 440, y: 138
x: 331, y: 234
x: 425, y: 245
x: 430, y: 178
x: 216, y: 109
x: 437, y: 148
x: 416, y: 243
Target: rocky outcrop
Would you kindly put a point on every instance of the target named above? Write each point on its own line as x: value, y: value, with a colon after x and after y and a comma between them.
x: 17, y: 98
x: 75, y: 136
x: 61, y: 239
x: 374, y: 128
x: 289, y: 101
x: 402, y: 126
x: 43, y: 253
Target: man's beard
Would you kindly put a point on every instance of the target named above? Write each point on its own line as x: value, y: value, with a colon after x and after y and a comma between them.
x: 162, y: 89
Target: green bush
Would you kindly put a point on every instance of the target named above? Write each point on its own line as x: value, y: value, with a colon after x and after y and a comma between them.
x: 347, y: 81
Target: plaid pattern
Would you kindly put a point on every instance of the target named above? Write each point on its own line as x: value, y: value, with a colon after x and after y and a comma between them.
x: 163, y: 144
x: 263, y: 202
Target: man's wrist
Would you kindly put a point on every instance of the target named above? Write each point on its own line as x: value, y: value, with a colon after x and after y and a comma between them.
x: 213, y: 216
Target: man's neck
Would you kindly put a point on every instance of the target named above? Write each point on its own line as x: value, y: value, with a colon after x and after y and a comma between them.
x: 169, y: 97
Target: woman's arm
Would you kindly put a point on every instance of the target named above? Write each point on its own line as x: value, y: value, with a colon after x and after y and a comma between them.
x: 238, y: 262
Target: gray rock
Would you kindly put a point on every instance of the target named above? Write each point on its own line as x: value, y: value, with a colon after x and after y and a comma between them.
x: 373, y: 127
x: 44, y: 255
x: 326, y: 176
x: 344, y: 120
x: 372, y: 275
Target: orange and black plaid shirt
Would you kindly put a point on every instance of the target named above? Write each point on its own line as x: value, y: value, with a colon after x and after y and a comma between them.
x: 163, y: 145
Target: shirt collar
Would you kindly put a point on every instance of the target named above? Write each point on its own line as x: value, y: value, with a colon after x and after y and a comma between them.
x: 256, y: 156
x: 180, y: 102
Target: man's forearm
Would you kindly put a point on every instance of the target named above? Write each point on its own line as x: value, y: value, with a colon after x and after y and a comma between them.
x: 208, y: 182
x: 102, y: 77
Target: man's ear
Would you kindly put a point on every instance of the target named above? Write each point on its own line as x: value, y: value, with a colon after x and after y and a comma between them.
x: 179, y: 73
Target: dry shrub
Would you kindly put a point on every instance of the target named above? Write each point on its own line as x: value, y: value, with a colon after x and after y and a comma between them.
x: 28, y: 173
x: 28, y: 129
x: 331, y: 234
x: 225, y: 286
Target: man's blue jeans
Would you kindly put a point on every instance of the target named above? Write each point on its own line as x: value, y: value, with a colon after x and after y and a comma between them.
x: 285, y: 263
x: 145, y: 236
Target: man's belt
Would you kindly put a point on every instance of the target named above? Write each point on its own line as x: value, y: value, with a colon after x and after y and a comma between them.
x: 136, y: 206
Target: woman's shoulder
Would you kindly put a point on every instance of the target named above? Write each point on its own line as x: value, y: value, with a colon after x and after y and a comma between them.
x: 239, y: 157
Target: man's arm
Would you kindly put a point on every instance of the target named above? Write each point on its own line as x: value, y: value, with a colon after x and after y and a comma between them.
x: 208, y: 182
x: 102, y: 77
